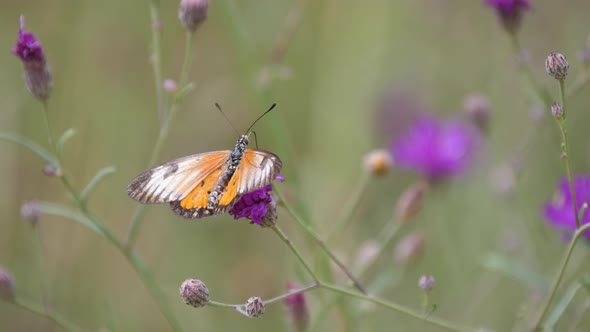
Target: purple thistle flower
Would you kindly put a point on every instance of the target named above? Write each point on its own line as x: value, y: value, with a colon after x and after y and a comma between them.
x: 436, y: 148
x: 509, y: 12
x: 36, y: 71
x: 256, y: 205
x: 559, y: 212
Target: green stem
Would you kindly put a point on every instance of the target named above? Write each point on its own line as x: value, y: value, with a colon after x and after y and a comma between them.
x: 137, y: 218
x: 565, y: 149
x: 395, y: 307
x: 352, y: 206
x: 311, y: 233
x: 302, y: 260
x: 389, y: 231
x: 560, y: 273
x: 157, y: 60
x: 48, y: 129
x: 269, y: 301
x: 51, y: 316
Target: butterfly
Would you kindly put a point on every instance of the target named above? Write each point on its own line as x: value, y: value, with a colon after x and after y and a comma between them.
x: 208, y: 183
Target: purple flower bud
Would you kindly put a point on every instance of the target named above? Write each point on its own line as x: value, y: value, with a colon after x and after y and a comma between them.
x: 51, y: 171
x: 559, y: 211
x: 410, y: 249
x: 426, y: 282
x: 170, y: 86
x: 194, y: 292
x: 192, y: 13
x: 36, y: 71
x: 509, y: 12
x: 254, y: 307
x: 556, y: 65
x: 297, y: 309
x: 7, y: 292
x: 556, y: 110
x: 30, y: 211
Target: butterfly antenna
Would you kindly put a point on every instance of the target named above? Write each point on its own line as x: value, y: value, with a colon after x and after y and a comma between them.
x: 227, y: 118
x: 260, y: 117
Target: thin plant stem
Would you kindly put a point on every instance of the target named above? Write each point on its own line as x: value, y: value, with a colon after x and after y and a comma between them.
x: 395, y: 307
x: 389, y: 232
x: 565, y: 150
x: 137, y: 218
x: 296, y: 252
x: 311, y: 233
x: 41, y: 266
x: 157, y: 60
x: 559, y: 275
x: 352, y: 206
x: 51, y: 316
x: 45, y: 110
x: 269, y: 301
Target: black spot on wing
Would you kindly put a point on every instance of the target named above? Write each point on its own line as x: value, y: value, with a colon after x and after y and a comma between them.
x: 196, y: 212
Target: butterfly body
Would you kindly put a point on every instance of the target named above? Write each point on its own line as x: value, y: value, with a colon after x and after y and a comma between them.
x: 208, y: 183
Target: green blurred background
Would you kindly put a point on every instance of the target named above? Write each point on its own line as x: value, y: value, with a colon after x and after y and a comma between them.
x: 343, y: 58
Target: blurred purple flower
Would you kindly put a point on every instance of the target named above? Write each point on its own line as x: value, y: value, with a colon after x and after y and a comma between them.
x: 559, y: 212
x: 297, y: 309
x: 27, y: 47
x: 436, y: 148
x: 509, y: 12
x: 255, y: 205
x: 36, y: 71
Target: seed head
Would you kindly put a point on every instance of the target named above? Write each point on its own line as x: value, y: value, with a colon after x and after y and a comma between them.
x: 254, y: 307
x: 378, y: 162
x: 30, y: 211
x: 36, y: 71
x: 192, y: 13
x: 7, y: 292
x: 194, y: 292
x: 556, y: 65
x: 410, y: 202
x: 426, y: 282
x: 556, y: 110
x: 477, y: 108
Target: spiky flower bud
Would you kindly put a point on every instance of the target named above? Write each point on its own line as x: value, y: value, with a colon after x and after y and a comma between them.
x: 426, y: 282
x: 556, y: 65
x: 192, y: 13
x: 556, y: 110
x: 194, y: 292
x: 410, y: 202
x: 477, y: 108
x: 378, y: 162
x: 254, y: 307
x: 297, y: 309
x: 36, y: 71
x: 30, y: 211
x: 7, y: 292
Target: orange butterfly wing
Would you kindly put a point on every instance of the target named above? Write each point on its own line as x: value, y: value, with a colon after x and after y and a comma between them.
x: 174, y: 180
x: 257, y: 169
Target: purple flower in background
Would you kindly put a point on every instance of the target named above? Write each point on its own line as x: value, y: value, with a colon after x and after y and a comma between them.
x: 509, y: 12
x: 36, y: 70
x: 559, y: 212
x: 436, y: 148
